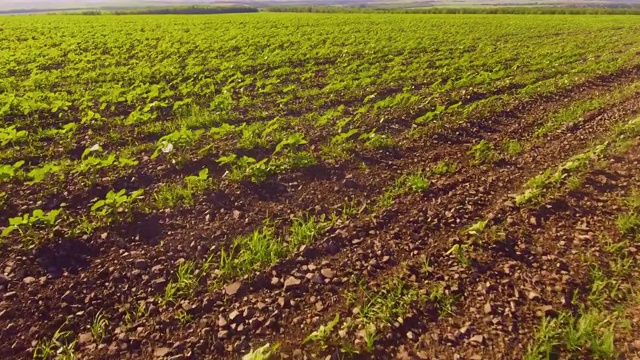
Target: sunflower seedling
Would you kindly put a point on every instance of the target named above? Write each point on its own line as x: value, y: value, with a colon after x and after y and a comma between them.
x: 322, y: 334
x: 460, y: 252
x: 115, y: 202
x: 27, y: 223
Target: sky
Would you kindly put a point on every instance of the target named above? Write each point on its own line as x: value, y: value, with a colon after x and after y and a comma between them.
x: 59, y: 4
x: 62, y: 4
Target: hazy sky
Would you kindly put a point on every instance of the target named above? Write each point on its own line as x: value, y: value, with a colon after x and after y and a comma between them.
x: 33, y: 4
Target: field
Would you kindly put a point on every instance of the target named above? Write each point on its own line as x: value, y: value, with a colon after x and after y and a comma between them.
x: 319, y: 186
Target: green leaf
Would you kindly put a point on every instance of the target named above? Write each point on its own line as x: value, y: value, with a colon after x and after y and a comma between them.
x: 97, y: 205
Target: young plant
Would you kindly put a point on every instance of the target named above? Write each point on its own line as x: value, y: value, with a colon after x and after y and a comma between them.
x: 441, y: 299
x: 98, y: 327
x: 629, y: 224
x: 293, y: 140
x: 8, y: 172
x: 483, y: 153
x: 376, y: 141
x: 460, y: 252
x: 305, y: 229
x: 512, y: 148
x: 262, y: 353
x: 183, y: 317
x: 58, y: 346
x: 116, y: 202
x: 183, y: 137
x: 251, y: 252
x: 40, y: 174
x: 28, y: 223
x: 476, y: 229
x: 418, y: 182
x: 444, y: 167
x: 322, y: 334
x: 11, y: 135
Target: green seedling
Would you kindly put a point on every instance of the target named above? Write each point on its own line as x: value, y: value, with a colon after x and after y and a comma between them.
x: 322, y: 334
x: 38, y: 175
x: 418, y: 182
x: 11, y: 135
x: 183, y: 317
x: 98, y: 327
x: 441, y: 299
x: 27, y: 223
x: 8, y: 172
x: 483, y: 153
x: 115, y: 202
x: 58, y: 346
x: 477, y: 228
x: 460, y: 252
x: 262, y: 353
x: 293, y: 140
x: 444, y: 167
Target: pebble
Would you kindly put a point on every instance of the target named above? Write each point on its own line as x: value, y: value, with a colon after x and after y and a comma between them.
x: 533, y: 295
x: 487, y: 308
x: 328, y: 273
x: 234, y: 314
x: 141, y: 264
x: 292, y: 283
x: 161, y: 352
x: 4, y: 279
x: 29, y: 280
x: 233, y: 288
x: 317, y: 279
x: 85, y: 338
x: 477, y: 339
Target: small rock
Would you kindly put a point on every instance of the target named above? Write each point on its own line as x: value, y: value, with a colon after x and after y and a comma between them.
x: 159, y: 284
x: 29, y: 280
x: 533, y: 221
x: 636, y: 344
x: 328, y: 273
x: 157, y: 269
x: 282, y: 302
x: 411, y: 335
x: 475, y: 357
x: 233, y: 289
x: 9, y: 295
x: 141, y: 264
x: 4, y: 279
x: 161, y: 352
x: 222, y: 322
x: 234, y: 315
x: 317, y: 279
x: 292, y: 283
x: 85, y: 338
x: 533, y: 296
x: 487, y: 308
x: 477, y: 339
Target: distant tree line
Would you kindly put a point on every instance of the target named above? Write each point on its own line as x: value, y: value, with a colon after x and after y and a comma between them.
x: 194, y: 9
x: 617, y: 9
